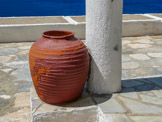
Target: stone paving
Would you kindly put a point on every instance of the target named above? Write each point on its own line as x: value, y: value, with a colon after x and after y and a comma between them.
x: 139, y: 101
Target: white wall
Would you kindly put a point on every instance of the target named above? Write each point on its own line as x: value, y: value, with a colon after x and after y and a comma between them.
x: 18, y: 33
x: 31, y: 32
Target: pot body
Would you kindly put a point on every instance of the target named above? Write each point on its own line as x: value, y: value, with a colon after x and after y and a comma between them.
x: 59, y: 65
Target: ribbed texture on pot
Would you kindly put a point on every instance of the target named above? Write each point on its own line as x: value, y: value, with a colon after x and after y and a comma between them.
x: 59, y: 69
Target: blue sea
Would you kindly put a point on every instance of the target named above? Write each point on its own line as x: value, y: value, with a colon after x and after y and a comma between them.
x: 9, y: 8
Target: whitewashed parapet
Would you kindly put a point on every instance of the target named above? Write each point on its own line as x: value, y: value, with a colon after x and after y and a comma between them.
x: 31, y: 32
x: 13, y: 33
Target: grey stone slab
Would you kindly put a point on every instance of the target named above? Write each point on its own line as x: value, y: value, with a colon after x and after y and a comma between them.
x: 144, y: 72
x: 4, y: 59
x: 33, y: 94
x: 130, y: 65
x: 125, y: 58
x: 125, y: 42
x: 138, y: 46
x: 35, y: 104
x: 24, y: 86
x: 5, y: 96
x: 22, y: 73
x: 1, y: 47
x: 159, y: 69
x: 152, y: 72
x: 127, y: 51
x: 144, y: 41
x: 7, y: 70
x: 153, y: 49
x: 144, y: 87
x: 156, y: 62
x: 159, y: 43
x: 146, y: 118
x: 144, y: 92
x: 17, y: 64
x: 22, y: 99
x: 130, y: 83
x: 25, y: 47
x: 129, y: 92
x: 140, y: 108
x: 126, y: 74
x: 155, y: 55
x: 117, y: 118
x: 23, y: 52
x: 139, y: 56
x: 18, y: 111
x: 130, y: 95
x: 8, y: 51
x: 22, y: 58
x: 109, y: 105
x: 6, y: 83
x: 157, y: 91
x: 150, y: 99
x: 150, y: 63
x: 151, y: 94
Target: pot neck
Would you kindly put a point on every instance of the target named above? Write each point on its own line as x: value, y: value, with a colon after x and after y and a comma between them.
x: 57, y: 34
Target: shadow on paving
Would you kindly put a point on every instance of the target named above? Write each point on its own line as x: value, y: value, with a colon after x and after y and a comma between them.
x: 87, y: 99
x: 128, y: 86
x: 141, y: 85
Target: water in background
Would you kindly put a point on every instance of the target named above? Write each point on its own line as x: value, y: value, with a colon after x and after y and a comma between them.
x: 142, y: 6
x: 10, y: 8
x: 41, y: 7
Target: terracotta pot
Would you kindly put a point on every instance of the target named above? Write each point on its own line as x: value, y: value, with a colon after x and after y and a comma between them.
x: 59, y: 65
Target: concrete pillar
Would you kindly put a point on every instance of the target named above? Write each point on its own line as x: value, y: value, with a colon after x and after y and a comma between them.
x: 103, y: 39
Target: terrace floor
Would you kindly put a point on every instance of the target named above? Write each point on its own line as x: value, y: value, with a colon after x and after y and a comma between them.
x: 140, y: 99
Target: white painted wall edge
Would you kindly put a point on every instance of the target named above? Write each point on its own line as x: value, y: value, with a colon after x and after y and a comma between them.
x: 142, y: 28
x: 32, y: 32
x: 18, y: 33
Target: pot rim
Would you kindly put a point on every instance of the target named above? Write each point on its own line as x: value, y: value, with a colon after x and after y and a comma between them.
x: 57, y: 34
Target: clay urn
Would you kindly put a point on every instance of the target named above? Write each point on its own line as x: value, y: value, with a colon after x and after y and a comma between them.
x: 59, y: 65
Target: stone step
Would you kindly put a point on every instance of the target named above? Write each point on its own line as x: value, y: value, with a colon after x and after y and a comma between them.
x: 82, y: 110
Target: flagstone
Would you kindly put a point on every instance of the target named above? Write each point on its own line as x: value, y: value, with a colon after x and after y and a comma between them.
x: 141, y: 108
